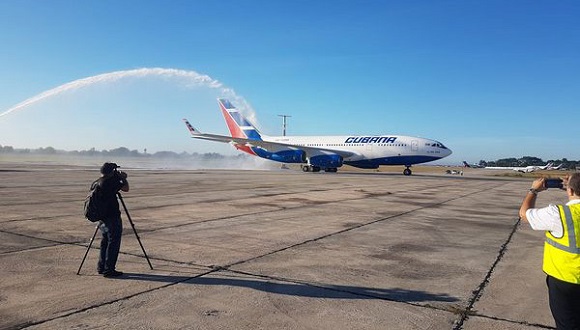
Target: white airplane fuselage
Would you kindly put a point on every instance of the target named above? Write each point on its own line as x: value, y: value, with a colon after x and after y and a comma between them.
x: 324, y: 152
x: 376, y: 149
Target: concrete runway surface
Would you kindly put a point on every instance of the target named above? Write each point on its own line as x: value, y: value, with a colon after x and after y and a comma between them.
x: 274, y: 250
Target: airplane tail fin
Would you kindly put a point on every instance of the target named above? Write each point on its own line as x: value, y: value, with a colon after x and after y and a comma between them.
x: 465, y: 164
x: 238, y: 125
x: 192, y: 130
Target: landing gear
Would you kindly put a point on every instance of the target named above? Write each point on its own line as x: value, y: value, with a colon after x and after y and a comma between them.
x: 407, y: 171
x: 308, y: 168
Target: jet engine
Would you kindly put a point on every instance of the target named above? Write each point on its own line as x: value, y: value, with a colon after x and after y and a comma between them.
x: 287, y: 156
x: 326, y: 161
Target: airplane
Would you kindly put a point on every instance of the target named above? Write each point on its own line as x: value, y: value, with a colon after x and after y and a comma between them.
x: 466, y: 164
x: 555, y: 168
x: 527, y: 169
x: 326, y: 153
x: 531, y: 168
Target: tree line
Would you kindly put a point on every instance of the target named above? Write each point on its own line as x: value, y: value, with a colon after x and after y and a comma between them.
x: 117, y: 152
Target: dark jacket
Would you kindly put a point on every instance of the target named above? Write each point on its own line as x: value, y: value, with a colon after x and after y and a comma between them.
x: 110, y: 185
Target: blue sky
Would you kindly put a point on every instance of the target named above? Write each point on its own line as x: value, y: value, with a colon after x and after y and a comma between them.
x: 489, y: 79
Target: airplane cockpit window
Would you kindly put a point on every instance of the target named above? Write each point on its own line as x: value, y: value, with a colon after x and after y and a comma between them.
x: 436, y: 145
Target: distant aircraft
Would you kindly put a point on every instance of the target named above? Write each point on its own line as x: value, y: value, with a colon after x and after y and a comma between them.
x: 526, y: 169
x: 325, y: 152
x: 554, y: 168
x: 465, y: 164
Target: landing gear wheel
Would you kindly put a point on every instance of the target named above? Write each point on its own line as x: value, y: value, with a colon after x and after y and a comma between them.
x: 306, y: 168
x: 330, y: 169
x: 407, y: 171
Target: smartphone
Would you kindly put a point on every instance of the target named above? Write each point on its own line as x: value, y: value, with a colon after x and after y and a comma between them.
x: 553, y: 183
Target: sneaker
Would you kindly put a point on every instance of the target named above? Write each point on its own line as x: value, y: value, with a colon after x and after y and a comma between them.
x: 112, y: 273
x: 100, y: 271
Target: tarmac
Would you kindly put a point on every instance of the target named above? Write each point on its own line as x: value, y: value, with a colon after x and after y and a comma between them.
x: 278, y: 249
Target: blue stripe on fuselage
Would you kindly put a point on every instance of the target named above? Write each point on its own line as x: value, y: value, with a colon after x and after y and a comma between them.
x: 394, y: 160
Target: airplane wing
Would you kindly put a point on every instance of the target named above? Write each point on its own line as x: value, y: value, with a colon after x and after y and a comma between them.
x: 195, y: 133
x: 266, y: 145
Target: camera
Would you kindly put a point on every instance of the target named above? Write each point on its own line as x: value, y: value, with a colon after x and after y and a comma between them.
x: 120, y: 174
x: 553, y: 183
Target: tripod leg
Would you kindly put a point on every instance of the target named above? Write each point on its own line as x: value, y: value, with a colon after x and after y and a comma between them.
x: 88, y: 248
x: 140, y: 244
x: 134, y: 230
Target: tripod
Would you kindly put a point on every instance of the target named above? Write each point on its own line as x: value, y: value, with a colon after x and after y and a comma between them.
x: 134, y: 230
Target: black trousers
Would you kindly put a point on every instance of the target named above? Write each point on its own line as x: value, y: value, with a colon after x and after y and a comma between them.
x: 564, y: 303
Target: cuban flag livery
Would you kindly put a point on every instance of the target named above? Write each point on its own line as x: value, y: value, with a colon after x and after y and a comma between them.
x: 239, y: 126
x: 328, y: 153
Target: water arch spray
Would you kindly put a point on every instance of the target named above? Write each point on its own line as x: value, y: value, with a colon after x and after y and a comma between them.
x: 189, y: 78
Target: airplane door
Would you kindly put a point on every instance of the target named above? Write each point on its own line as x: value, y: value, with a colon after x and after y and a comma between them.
x: 414, y: 145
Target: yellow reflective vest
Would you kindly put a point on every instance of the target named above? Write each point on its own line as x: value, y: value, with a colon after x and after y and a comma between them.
x: 562, y: 254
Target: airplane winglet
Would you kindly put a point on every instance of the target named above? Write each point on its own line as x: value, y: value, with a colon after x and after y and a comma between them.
x: 191, y: 129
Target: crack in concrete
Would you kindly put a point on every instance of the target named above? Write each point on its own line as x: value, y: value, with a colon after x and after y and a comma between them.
x: 478, y: 293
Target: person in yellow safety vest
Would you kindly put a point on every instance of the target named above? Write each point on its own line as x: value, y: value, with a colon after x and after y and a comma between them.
x: 561, y: 248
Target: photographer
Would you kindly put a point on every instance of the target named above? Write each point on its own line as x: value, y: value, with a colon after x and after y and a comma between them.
x: 111, y: 181
x: 561, y: 248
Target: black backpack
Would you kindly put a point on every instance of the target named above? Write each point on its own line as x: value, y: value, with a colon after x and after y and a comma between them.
x: 94, y: 207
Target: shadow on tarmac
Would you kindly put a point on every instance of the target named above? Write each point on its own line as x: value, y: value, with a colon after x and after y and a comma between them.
x: 300, y: 289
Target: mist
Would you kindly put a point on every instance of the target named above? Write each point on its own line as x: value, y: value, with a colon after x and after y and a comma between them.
x: 150, y: 162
